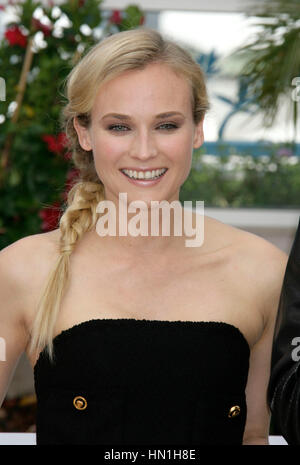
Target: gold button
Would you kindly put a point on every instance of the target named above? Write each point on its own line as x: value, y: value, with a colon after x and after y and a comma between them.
x: 234, y: 411
x: 80, y: 403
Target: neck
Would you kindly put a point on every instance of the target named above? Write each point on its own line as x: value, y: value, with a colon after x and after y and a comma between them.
x: 150, y: 232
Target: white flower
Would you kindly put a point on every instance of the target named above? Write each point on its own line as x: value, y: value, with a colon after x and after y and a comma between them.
x: 56, y: 12
x: 264, y: 158
x: 210, y: 159
x: 272, y: 167
x: 85, y: 29
x: 293, y: 160
x: 98, y: 33
x: 11, y: 108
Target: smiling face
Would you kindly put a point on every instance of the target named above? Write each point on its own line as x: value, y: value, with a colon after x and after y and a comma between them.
x: 142, y: 120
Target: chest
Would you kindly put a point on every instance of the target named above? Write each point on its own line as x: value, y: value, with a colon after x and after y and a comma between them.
x: 185, y: 289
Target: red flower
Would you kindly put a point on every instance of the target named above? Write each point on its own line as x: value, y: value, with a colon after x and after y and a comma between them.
x: 68, y: 155
x: 42, y: 27
x: 15, y: 36
x: 2, y: 7
x: 72, y: 176
x: 57, y: 143
x: 116, y: 17
x: 50, y: 216
x: 71, y: 179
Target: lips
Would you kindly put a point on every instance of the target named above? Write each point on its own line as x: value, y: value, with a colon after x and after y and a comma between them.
x: 145, y: 182
x: 144, y: 175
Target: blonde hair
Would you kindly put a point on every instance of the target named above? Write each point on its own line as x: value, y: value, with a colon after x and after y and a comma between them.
x: 128, y: 50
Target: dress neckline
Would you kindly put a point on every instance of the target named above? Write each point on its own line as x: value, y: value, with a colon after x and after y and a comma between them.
x: 150, y: 323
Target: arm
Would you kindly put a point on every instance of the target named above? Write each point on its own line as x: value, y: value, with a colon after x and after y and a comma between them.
x: 12, y: 326
x: 258, y: 415
x: 284, y: 386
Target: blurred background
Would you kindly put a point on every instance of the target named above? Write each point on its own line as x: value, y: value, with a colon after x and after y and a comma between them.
x: 248, y: 170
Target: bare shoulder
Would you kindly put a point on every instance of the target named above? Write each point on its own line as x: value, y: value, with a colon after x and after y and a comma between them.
x: 268, y: 263
x: 245, y: 246
x: 24, y: 263
x: 256, y: 262
x: 26, y: 253
x: 260, y: 255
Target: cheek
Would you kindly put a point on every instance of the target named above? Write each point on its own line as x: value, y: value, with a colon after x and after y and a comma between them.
x: 107, y: 149
x: 179, y: 148
x: 182, y: 154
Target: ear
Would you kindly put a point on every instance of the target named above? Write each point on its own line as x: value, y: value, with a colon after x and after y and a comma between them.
x: 83, y: 135
x: 199, y: 135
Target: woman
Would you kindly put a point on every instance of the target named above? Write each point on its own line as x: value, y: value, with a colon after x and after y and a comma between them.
x: 140, y: 339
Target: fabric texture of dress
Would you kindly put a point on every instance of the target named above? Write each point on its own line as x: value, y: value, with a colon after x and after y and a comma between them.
x: 143, y: 382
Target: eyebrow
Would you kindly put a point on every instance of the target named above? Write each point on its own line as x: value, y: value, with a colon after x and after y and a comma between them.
x: 160, y: 116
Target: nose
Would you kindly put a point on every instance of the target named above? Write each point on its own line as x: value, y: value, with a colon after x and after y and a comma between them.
x: 143, y: 145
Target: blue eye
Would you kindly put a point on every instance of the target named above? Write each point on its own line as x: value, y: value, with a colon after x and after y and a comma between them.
x: 168, y: 126
x: 118, y: 128
x: 122, y: 128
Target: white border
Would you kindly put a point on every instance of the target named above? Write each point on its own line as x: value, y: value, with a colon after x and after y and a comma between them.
x: 191, y: 5
x: 29, y: 439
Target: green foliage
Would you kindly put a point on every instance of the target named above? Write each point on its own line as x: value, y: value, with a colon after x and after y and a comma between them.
x: 39, y: 172
x: 271, y: 180
x: 34, y: 182
x: 272, y: 58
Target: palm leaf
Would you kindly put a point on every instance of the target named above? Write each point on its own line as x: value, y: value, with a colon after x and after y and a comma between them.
x: 272, y: 58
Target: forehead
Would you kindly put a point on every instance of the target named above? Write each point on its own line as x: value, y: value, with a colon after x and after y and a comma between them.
x: 155, y: 89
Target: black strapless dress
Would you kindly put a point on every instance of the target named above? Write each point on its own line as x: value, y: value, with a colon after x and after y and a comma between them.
x: 143, y: 382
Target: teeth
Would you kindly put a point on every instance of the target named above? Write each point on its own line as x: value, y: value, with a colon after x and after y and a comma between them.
x: 144, y: 175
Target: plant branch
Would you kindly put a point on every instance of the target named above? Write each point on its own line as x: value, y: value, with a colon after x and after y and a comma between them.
x: 19, y: 99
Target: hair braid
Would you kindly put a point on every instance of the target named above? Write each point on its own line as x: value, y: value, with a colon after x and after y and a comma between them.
x: 79, y: 217
x: 81, y: 214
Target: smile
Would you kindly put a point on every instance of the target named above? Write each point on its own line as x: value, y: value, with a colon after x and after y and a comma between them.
x: 145, y: 175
